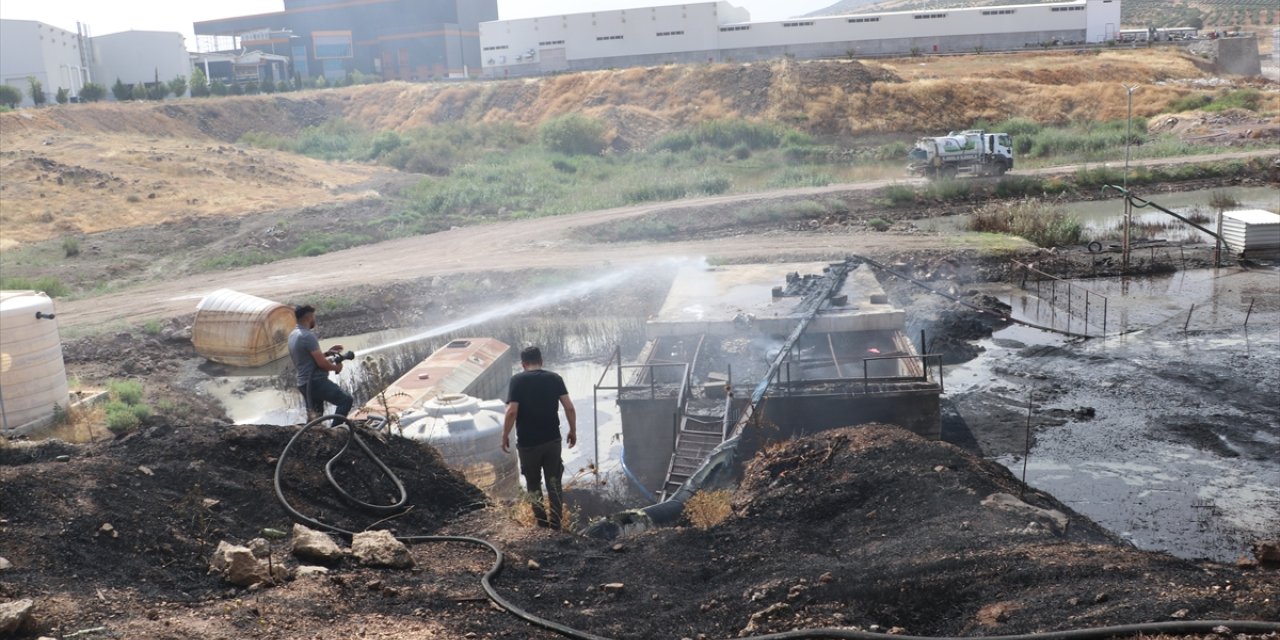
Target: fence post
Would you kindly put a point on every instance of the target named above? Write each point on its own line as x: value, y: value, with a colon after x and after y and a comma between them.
x: 1249, y: 312
x: 1188, y: 322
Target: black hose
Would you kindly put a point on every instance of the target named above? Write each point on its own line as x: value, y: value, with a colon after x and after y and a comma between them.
x: 486, y: 581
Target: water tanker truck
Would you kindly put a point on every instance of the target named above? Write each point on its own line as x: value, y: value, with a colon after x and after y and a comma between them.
x: 974, y: 152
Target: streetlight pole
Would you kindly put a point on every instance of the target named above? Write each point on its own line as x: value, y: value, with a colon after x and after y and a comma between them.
x: 1128, y: 206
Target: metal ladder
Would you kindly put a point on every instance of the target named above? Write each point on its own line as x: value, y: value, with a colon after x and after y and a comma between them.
x: 697, y: 438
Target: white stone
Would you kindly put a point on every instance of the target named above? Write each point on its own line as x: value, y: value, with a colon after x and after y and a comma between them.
x: 381, y: 549
x: 14, y: 614
x: 309, y: 544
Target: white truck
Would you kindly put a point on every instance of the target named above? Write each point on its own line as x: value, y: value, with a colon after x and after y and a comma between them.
x: 974, y: 152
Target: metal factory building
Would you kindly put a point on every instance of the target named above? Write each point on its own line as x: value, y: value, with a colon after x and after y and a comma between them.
x: 394, y: 39
x: 721, y: 32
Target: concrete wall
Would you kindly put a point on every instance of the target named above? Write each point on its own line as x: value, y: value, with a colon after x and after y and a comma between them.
x: 47, y: 53
x: 1238, y: 56
x: 918, y: 412
x: 1103, y: 20
x: 137, y: 56
x: 648, y: 430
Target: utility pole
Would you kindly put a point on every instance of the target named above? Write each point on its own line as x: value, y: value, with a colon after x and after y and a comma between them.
x: 1128, y: 206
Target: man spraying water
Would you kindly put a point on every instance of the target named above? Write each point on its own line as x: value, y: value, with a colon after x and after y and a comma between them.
x: 313, y: 367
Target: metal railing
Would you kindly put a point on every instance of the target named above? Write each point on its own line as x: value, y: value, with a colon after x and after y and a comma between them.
x: 615, y: 364
x: 1078, y: 301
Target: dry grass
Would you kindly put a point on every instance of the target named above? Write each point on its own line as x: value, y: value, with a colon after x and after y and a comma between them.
x: 707, y: 509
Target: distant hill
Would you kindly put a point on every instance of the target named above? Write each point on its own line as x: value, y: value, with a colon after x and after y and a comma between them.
x: 1160, y: 13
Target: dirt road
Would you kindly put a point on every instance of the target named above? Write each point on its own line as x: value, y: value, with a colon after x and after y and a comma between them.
x: 545, y: 243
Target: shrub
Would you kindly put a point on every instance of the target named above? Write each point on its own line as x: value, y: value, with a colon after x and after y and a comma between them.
x: 71, y: 246
x: 656, y: 192
x: 62, y: 96
x: 138, y: 92
x: 48, y: 284
x: 251, y: 88
x: 283, y: 87
x: 199, y: 84
x: 127, y: 391
x: 797, y: 177
x: 218, y: 88
x: 10, y: 95
x: 267, y: 86
x: 1250, y: 99
x: 879, y: 224
x: 121, y: 419
x: 92, y: 92
x: 573, y: 134
x: 121, y: 91
x: 706, y: 509
x: 1192, y: 102
x: 728, y: 134
x: 899, y: 194
x: 1043, y: 225
x: 36, y: 90
x: 178, y: 86
x: 158, y: 91
x: 713, y: 185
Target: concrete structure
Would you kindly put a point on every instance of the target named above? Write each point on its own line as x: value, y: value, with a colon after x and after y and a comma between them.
x: 853, y: 365
x: 1236, y: 55
x: 242, y: 67
x: 395, y: 39
x: 56, y: 57
x: 719, y: 31
x: 140, y: 56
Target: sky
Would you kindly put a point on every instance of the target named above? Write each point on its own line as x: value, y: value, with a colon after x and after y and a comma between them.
x: 177, y: 15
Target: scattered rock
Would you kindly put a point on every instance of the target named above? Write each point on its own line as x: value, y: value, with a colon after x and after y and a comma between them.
x: 997, y: 613
x: 1180, y: 614
x: 764, y: 615
x: 613, y: 587
x: 240, y: 567
x: 5, y: 565
x: 533, y: 565
x: 1007, y: 502
x: 1267, y: 551
x: 381, y: 549
x: 146, y: 471
x: 210, y: 503
x: 62, y: 458
x: 1222, y: 630
x: 826, y: 578
x: 15, y: 614
x: 618, y: 548
x: 1101, y: 598
x: 897, y: 631
x: 309, y: 544
x: 309, y: 571
x: 260, y: 548
x: 107, y: 530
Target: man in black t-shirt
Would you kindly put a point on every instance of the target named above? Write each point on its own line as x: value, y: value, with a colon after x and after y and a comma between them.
x: 533, y: 402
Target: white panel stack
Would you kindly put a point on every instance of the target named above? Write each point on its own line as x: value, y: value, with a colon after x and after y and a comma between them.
x: 1251, y: 230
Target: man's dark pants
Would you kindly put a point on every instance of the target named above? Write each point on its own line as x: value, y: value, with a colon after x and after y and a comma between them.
x: 322, y: 390
x: 535, y: 463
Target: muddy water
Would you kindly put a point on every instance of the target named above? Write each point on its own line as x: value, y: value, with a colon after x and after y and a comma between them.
x: 1182, y: 453
x: 1104, y: 216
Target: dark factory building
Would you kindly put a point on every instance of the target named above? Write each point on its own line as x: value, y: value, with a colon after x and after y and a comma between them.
x: 394, y: 39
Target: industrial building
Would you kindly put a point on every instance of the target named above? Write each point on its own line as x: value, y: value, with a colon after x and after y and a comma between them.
x: 394, y: 39
x: 721, y: 32
x: 63, y: 59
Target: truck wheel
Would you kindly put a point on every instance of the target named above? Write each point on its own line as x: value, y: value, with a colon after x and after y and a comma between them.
x: 1001, y: 168
x: 947, y: 173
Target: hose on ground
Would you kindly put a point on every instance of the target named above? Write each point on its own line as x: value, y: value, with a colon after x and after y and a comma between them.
x: 486, y: 581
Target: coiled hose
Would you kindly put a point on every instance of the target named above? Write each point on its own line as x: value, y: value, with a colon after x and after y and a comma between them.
x: 486, y: 581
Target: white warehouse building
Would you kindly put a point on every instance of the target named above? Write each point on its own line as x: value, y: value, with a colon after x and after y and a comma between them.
x: 62, y: 59
x: 719, y: 31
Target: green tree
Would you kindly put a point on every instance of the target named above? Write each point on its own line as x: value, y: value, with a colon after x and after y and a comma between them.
x: 158, y: 91
x: 237, y: 89
x: 199, y: 83
x: 92, y: 92
x: 139, y: 92
x: 217, y: 88
x: 573, y: 134
x: 10, y: 95
x: 267, y: 86
x: 121, y: 91
x: 62, y: 97
x: 321, y: 82
x: 178, y: 86
x: 283, y: 86
x: 36, y: 90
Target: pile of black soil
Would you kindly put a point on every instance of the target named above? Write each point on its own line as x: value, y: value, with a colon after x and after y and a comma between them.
x: 145, y: 512
x: 875, y: 526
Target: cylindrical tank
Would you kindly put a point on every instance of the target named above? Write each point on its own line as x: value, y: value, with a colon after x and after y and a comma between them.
x: 241, y: 330
x: 33, y: 378
x: 468, y: 434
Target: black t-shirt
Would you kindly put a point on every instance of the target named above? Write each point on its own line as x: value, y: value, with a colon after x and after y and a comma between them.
x: 537, y: 418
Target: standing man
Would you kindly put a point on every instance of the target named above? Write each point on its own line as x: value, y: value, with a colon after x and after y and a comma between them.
x: 313, y: 367
x: 533, y: 402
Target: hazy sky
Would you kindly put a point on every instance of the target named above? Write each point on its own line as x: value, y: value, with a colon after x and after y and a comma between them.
x: 177, y: 15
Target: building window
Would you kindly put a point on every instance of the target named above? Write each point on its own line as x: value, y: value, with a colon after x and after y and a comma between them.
x: 864, y: 19
x: 331, y: 45
x: 300, y: 61
x: 662, y: 34
x: 1067, y: 9
x: 497, y: 48
x: 798, y: 24
x: 550, y: 43
x: 929, y: 16
x: 598, y: 38
x: 999, y: 12
x: 737, y: 28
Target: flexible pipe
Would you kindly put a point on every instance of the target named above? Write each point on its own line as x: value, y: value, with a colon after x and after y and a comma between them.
x: 486, y: 581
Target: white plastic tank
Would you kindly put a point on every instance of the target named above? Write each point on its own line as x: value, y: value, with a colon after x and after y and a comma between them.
x: 33, y: 378
x: 241, y: 330
x: 468, y: 434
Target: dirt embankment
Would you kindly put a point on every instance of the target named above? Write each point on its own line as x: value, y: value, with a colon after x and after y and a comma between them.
x: 850, y: 528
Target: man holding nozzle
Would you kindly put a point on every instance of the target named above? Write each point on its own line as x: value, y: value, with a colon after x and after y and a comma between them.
x: 313, y: 367
x: 533, y: 407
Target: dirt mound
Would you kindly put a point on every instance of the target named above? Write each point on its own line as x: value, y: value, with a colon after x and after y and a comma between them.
x: 1224, y: 126
x: 873, y: 525
x: 170, y: 495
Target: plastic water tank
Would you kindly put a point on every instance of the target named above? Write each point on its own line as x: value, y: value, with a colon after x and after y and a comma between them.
x: 33, y: 378
x: 241, y: 330
x: 468, y: 434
